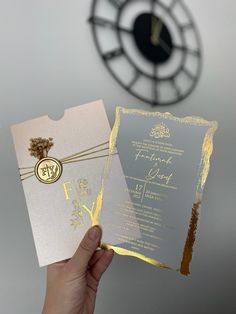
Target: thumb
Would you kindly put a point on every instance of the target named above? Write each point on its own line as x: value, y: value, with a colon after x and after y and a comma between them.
x: 79, y: 261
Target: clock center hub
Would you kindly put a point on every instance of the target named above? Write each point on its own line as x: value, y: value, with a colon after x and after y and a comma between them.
x: 152, y: 38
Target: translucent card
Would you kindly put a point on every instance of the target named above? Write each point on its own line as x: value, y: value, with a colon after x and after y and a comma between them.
x: 165, y: 162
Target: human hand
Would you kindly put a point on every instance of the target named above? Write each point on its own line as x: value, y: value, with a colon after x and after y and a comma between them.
x: 72, y: 284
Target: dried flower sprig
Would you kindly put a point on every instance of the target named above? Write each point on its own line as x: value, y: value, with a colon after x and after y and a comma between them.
x: 39, y: 147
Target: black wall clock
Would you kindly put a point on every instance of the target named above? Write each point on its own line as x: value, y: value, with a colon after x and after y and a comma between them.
x: 152, y: 48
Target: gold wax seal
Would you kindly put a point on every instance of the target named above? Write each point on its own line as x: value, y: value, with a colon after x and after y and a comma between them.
x: 48, y: 170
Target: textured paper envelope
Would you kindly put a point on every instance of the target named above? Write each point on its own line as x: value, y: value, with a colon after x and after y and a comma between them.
x: 61, y: 164
x: 165, y: 160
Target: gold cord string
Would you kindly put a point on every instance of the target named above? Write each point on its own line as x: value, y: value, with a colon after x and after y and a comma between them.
x: 27, y: 177
x: 24, y: 168
x: 24, y: 174
x: 71, y: 159
x: 82, y: 155
x: 68, y: 162
x: 84, y: 151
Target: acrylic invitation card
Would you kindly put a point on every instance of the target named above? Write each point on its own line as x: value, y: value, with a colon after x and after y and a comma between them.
x: 61, y: 165
x: 165, y: 162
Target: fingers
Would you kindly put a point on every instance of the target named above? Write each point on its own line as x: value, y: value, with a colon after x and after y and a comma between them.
x: 96, y: 256
x: 96, y: 271
x: 80, y: 260
x: 102, y: 264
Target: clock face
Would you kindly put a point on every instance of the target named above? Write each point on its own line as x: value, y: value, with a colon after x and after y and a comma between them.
x: 152, y: 48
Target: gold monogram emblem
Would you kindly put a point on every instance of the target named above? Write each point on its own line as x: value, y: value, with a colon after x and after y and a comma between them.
x: 160, y: 131
x: 48, y: 170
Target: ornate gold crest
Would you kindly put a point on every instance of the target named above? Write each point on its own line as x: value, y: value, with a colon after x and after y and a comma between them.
x: 160, y: 131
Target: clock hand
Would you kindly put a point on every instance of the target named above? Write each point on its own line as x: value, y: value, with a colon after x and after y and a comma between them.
x: 153, y: 29
x: 156, y: 31
x: 159, y: 30
x: 165, y: 46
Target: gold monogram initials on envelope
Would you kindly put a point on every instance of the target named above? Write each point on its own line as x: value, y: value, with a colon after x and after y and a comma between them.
x: 165, y: 162
x: 61, y: 164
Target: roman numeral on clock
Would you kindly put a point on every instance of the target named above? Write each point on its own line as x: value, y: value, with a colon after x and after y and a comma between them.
x: 117, y: 3
x: 188, y: 73
x: 100, y: 21
x: 186, y: 26
x: 176, y: 88
x: 136, y: 76
x: 193, y: 52
x: 172, y: 5
x: 113, y: 54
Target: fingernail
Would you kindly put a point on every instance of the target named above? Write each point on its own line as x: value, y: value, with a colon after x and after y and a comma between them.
x: 94, y: 233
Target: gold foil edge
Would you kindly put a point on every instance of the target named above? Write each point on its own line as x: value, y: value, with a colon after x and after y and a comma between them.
x: 188, y: 248
x: 192, y: 120
x: 207, y: 150
x: 122, y: 251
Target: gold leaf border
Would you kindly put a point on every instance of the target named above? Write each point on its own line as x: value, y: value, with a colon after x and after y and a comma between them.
x: 207, y: 149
